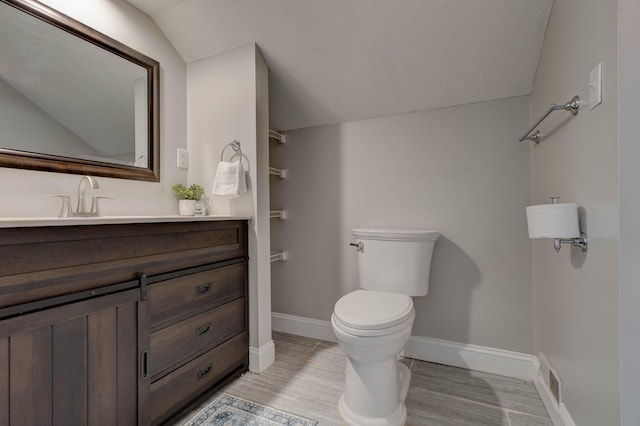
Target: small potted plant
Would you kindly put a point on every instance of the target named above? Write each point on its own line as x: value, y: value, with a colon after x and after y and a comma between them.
x: 187, y: 197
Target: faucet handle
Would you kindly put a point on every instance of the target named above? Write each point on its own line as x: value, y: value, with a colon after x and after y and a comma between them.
x: 95, y: 205
x: 65, y: 211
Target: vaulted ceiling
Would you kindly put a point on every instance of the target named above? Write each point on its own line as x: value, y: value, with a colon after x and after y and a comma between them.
x: 334, y: 61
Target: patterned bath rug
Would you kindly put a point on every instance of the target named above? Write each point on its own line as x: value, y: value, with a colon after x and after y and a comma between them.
x: 229, y: 410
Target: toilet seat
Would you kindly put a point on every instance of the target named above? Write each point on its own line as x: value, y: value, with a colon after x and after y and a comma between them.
x: 373, y: 313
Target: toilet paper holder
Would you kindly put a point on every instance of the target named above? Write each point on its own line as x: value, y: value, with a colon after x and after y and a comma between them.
x: 580, y: 242
x: 557, y: 222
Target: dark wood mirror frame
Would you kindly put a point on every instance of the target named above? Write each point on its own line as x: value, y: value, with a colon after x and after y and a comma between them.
x: 52, y: 163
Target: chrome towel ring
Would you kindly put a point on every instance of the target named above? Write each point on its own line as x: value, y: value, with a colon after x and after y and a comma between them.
x: 237, y: 151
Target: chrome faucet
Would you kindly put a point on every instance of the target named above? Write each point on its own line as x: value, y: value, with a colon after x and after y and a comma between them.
x: 81, y: 209
x: 86, y: 183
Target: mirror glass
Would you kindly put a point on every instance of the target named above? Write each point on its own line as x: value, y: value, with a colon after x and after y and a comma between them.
x: 73, y: 100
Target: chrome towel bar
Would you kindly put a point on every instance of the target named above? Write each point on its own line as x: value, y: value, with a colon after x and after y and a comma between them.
x: 572, y: 106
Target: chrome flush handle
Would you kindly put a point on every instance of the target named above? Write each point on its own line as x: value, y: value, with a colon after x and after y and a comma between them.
x: 359, y: 245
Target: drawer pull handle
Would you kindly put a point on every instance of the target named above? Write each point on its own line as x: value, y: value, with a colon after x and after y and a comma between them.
x: 203, y: 289
x: 204, y: 372
x: 144, y: 365
x: 201, y: 331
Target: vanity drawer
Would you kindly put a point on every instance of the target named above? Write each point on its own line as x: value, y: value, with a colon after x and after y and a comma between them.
x: 174, y: 297
x: 195, y: 335
x: 176, y: 390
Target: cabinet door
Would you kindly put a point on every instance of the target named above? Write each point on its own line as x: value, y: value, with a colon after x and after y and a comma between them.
x: 78, y: 364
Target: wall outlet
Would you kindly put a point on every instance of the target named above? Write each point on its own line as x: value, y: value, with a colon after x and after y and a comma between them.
x: 183, y: 159
x: 595, y: 86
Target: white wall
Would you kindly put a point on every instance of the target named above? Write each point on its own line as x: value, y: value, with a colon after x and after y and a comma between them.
x: 227, y: 100
x: 576, y: 298
x: 128, y: 25
x: 458, y: 170
x: 221, y: 108
x: 629, y: 153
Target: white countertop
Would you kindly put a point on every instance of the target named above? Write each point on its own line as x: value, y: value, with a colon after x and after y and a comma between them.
x: 21, y: 222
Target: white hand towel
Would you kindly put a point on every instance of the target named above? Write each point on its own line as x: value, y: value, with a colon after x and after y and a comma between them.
x: 230, y: 180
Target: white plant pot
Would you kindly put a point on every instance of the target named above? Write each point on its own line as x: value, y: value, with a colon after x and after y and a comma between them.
x: 186, y: 207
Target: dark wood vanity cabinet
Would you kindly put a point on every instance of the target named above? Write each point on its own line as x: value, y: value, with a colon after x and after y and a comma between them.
x: 119, y: 324
x: 74, y: 364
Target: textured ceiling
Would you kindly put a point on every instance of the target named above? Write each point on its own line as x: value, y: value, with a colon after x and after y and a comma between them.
x: 334, y: 61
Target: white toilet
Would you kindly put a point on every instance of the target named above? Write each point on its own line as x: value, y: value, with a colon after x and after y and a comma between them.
x: 373, y: 324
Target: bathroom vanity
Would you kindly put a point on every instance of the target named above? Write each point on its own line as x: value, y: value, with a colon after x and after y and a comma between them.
x: 104, y: 321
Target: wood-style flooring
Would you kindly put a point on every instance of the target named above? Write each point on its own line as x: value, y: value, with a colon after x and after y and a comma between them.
x: 307, y: 379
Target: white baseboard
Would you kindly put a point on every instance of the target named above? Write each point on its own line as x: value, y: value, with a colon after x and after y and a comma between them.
x: 262, y: 357
x: 301, y: 326
x: 479, y: 358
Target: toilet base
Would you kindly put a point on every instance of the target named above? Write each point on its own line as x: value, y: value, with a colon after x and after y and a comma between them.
x: 397, y: 418
x: 404, y: 377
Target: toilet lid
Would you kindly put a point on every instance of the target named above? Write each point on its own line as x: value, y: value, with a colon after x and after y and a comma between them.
x: 371, y: 310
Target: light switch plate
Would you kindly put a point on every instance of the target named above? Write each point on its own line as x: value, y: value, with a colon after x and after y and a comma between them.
x: 595, y: 86
x: 183, y: 158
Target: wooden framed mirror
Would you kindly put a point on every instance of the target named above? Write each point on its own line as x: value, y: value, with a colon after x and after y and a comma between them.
x: 73, y: 100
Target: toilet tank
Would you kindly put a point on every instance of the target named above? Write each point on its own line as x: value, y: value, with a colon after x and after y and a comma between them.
x: 395, y: 260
